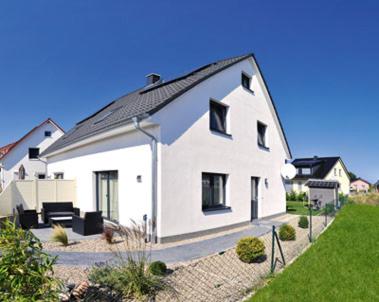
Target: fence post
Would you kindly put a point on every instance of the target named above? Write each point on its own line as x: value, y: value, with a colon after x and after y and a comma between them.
x: 326, y: 215
x: 310, y: 223
x: 273, y: 249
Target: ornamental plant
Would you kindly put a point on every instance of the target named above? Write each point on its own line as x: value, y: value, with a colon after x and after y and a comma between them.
x: 303, y: 222
x: 287, y: 232
x: 26, y: 272
x: 158, y: 268
x: 250, y: 249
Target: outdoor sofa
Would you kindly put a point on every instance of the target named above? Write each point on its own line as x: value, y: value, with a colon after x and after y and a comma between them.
x: 92, y: 223
x: 58, y: 209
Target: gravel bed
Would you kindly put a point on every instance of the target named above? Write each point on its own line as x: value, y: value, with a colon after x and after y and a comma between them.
x: 220, y: 277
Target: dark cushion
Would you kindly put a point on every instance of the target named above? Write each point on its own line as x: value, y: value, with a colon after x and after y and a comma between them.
x: 58, y: 206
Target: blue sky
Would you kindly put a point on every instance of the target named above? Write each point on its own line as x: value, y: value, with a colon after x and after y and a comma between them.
x: 66, y: 59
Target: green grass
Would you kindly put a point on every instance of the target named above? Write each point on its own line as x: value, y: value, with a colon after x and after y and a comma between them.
x: 343, y: 264
x: 298, y: 208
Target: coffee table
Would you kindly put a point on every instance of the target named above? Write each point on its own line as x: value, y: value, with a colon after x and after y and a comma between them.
x: 63, y: 221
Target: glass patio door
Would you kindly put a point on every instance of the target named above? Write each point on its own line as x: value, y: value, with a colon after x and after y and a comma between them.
x: 107, y: 194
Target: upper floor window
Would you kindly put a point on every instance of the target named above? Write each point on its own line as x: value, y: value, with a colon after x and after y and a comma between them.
x: 245, y: 81
x: 335, y: 171
x: 33, y: 153
x: 340, y: 171
x: 217, y: 113
x: 47, y: 133
x: 58, y: 175
x: 262, y: 129
x: 213, y: 190
x: 306, y: 171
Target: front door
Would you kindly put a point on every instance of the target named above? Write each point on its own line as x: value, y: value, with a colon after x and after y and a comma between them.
x: 107, y: 194
x: 254, y: 197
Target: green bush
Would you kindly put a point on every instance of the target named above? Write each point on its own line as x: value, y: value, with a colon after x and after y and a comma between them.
x: 293, y: 196
x: 158, y: 268
x: 287, y: 232
x: 250, y: 249
x: 303, y: 222
x: 26, y: 272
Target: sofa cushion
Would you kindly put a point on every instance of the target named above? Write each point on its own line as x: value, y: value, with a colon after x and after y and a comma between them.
x: 58, y: 206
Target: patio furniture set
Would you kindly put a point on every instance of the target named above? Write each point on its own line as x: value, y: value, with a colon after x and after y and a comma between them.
x: 62, y: 213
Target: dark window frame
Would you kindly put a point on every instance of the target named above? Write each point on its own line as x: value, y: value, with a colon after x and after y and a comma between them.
x: 33, y: 155
x: 210, y: 206
x: 264, y: 139
x: 245, y: 81
x: 48, y: 133
x: 214, y: 106
x: 56, y: 174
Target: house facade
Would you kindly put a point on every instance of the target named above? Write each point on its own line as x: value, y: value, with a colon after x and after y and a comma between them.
x: 360, y: 185
x: 323, y: 168
x: 198, y: 154
x: 20, y: 160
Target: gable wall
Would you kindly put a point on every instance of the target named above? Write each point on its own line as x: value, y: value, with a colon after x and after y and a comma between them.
x: 344, y: 179
x: 19, y: 155
x: 188, y: 148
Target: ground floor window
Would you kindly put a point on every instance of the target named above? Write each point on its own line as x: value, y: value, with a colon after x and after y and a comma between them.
x: 213, y: 190
x: 107, y: 194
x: 59, y: 175
x: 41, y: 176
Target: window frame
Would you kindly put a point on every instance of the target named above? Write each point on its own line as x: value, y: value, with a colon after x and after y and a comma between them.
x: 225, y: 109
x: 33, y: 158
x: 219, y: 206
x: 58, y: 173
x: 249, y: 78
x: 48, y: 133
x: 264, y: 145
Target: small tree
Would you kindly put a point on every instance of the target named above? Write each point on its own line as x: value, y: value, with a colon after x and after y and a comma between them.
x: 26, y: 273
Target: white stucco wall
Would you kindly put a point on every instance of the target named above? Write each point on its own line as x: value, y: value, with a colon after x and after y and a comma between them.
x: 190, y: 148
x: 19, y: 155
x: 340, y: 174
x: 129, y: 154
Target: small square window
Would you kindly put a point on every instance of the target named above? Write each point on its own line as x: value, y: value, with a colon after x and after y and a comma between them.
x: 213, y: 190
x: 217, y: 113
x: 41, y: 176
x: 245, y: 81
x: 47, y: 133
x: 262, y: 129
x: 33, y: 153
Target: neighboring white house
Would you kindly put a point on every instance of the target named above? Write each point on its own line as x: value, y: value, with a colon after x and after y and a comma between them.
x: 322, y: 168
x: 197, y: 154
x: 20, y: 160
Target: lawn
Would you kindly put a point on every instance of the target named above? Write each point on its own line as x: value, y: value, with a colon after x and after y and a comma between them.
x: 343, y: 264
x: 298, y: 208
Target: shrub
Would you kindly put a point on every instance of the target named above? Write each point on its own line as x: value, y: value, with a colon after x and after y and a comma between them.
x: 303, y: 222
x: 250, y: 249
x: 108, y: 235
x: 129, y: 276
x: 59, y: 235
x: 158, y: 268
x: 287, y: 232
x: 26, y: 272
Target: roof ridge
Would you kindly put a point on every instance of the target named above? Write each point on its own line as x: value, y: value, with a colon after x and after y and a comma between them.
x: 186, y: 75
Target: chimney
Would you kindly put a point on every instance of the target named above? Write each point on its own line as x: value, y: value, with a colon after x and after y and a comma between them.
x: 152, y: 78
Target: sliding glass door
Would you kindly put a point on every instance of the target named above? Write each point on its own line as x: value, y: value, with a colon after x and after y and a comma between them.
x: 107, y: 194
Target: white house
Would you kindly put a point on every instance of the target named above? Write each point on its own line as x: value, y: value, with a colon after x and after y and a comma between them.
x: 197, y: 154
x: 20, y: 160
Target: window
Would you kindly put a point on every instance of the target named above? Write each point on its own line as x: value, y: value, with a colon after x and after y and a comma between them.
x: 33, y: 153
x: 41, y: 176
x: 245, y: 81
x: 47, y: 133
x: 340, y: 171
x: 213, y: 190
x: 335, y: 171
x: 218, y: 117
x: 306, y: 171
x: 58, y: 175
x: 262, y: 134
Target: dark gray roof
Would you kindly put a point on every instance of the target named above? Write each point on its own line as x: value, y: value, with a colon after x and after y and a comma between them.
x: 146, y: 100
x: 322, y: 184
x: 320, y: 166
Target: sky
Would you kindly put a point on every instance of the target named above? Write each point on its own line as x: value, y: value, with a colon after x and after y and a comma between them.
x: 66, y: 59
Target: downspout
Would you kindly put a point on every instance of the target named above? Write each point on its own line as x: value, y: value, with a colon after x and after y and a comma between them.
x: 154, y: 177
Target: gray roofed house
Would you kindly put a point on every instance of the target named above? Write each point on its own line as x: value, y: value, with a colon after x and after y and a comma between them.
x: 192, y: 155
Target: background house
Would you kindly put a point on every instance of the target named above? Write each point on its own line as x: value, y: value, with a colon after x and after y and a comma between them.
x: 197, y: 154
x: 325, y: 168
x: 20, y: 160
x: 360, y: 185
